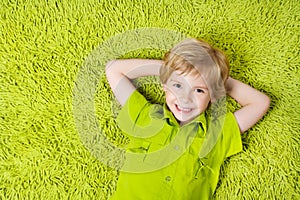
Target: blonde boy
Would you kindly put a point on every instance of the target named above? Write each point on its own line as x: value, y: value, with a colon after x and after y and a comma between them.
x: 193, y: 74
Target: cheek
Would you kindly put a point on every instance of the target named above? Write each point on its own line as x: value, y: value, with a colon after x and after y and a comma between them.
x: 203, y: 101
x: 169, y: 95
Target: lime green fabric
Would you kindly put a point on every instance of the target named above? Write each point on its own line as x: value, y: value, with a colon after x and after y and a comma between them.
x: 183, y: 177
x: 43, y: 45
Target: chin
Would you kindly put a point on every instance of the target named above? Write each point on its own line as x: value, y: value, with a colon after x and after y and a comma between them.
x: 186, y: 120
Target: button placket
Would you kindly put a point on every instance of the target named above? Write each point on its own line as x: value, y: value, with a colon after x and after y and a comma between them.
x: 199, y: 167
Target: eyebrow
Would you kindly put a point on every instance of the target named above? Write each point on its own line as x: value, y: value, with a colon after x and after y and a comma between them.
x: 203, y: 87
x: 175, y: 81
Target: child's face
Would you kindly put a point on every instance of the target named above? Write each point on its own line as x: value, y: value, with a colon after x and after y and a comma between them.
x: 187, y: 96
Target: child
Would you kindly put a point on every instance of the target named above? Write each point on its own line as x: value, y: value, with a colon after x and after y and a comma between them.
x: 194, y: 75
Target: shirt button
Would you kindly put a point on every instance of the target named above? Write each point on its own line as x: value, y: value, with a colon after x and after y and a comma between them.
x: 168, y: 178
x: 177, y: 147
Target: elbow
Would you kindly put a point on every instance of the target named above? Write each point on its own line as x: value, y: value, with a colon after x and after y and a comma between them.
x: 110, y: 69
x: 108, y: 65
x: 265, y: 104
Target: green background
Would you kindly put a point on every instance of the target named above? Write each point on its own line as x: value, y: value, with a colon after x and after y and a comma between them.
x: 43, y: 44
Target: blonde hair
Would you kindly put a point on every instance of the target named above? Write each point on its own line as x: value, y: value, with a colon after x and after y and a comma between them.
x: 198, y: 57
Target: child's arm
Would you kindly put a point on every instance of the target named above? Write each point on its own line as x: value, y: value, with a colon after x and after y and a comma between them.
x: 119, y: 74
x: 254, y: 103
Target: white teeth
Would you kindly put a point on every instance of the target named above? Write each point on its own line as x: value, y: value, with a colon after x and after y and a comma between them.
x: 184, y: 109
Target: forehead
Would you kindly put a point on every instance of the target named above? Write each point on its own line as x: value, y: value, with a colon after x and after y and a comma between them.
x: 193, y: 79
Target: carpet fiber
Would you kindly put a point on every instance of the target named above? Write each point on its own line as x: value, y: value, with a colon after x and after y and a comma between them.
x: 44, y: 44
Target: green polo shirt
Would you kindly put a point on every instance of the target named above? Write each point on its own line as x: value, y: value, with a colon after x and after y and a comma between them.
x: 162, y: 160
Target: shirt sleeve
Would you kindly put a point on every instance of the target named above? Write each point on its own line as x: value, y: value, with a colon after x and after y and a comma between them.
x: 232, y: 136
x: 135, y: 112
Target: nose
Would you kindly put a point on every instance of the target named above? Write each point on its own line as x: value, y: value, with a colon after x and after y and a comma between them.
x: 185, y: 100
x: 185, y: 97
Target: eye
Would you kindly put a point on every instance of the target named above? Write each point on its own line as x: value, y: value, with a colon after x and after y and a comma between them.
x: 177, y: 85
x: 198, y: 90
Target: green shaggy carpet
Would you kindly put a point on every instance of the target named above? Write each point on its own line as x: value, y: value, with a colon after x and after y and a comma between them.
x: 44, y: 44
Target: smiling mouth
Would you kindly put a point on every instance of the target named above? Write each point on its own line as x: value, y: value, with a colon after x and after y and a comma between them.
x: 184, y: 110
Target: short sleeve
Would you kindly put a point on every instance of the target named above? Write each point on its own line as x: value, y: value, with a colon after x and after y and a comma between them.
x: 134, y: 112
x: 232, y: 136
